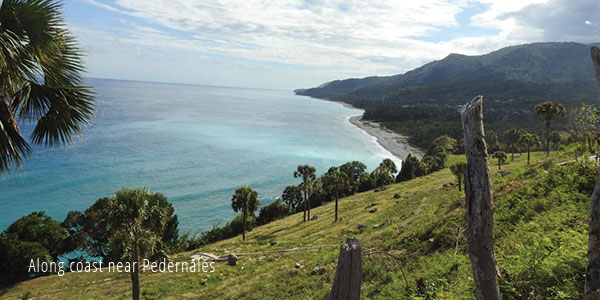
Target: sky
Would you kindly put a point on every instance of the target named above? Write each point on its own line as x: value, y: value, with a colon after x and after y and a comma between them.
x: 289, y: 44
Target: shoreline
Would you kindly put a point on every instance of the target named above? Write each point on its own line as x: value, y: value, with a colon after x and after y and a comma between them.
x: 393, y: 142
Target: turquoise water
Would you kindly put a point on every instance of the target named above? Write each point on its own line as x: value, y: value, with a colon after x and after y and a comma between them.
x: 196, y: 144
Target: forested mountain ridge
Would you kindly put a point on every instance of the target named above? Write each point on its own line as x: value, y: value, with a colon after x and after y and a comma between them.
x: 511, y: 79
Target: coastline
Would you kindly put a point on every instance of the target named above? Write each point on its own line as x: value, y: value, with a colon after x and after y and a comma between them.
x: 394, y: 143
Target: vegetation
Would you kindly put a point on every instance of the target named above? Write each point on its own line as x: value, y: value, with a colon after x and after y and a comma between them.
x: 541, y: 241
x: 245, y: 199
x: 35, y: 236
x: 529, y: 140
x: 549, y: 111
x: 307, y: 173
x: 501, y: 157
x: 40, y: 79
x: 423, y: 103
x: 459, y: 169
x: 334, y: 182
x: 138, y: 219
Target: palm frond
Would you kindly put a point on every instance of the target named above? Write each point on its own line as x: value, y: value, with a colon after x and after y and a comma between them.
x: 40, y: 76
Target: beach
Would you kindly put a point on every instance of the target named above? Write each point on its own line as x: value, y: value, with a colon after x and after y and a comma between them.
x: 394, y: 143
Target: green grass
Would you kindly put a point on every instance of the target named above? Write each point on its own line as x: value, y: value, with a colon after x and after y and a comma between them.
x: 541, y: 242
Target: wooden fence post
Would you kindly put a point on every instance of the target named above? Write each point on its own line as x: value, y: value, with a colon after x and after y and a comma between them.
x: 480, y: 211
x: 592, y: 272
x: 348, y: 273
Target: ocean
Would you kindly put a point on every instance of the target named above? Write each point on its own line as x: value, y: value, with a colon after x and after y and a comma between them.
x: 195, y: 144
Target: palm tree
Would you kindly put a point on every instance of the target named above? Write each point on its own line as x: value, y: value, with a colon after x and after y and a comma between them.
x: 139, y: 218
x: 512, y: 137
x: 459, y: 169
x: 246, y: 200
x: 40, y: 79
x: 549, y: 110
x: 335, y: 181
x: 308, y: 176
x: 501, y: 157
x: 529, y: 140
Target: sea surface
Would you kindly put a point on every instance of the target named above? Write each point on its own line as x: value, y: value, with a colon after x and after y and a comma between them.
x: 195, y: 144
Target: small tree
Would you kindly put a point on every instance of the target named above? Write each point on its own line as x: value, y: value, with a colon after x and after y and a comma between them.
x: 458, y: 169
x: 529, y: 140
x: 501, y: 157
x: 384, y: 173
x: 549, y: 111
x: 512, y: 137
x: 408, y: 169
x: 139, y: 218
x: 335, y: 181
x: 292, y: 196
x: 308, y: 177
x: 244, y: 199
x: 354, y: 170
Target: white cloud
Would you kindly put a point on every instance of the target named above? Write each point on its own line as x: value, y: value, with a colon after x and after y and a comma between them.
x: 355, y: 37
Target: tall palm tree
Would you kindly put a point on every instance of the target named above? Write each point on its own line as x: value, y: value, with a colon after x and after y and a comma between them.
x: 139, y: 218
x: 335, y: 181
x: 308, y: 176
x: 40, y: 79
x: 549, y: 110
x: 529, y: 140
x: 246, y: 200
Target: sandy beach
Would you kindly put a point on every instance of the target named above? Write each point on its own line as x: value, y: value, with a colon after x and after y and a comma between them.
x: 391, y: 141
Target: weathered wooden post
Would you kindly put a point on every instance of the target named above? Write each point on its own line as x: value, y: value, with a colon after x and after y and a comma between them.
x: 480, y: 211
x: 348, y: 273
x: 592, y: 272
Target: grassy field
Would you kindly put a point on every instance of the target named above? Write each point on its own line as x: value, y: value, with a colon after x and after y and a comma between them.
x: 541, y: 243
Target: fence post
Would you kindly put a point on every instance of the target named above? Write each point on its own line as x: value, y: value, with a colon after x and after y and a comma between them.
x: 348, y: 273
x: 480, y: 211
x: 592, y: 272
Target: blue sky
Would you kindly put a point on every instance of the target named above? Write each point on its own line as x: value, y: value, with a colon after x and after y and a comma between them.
x: 289, y: 44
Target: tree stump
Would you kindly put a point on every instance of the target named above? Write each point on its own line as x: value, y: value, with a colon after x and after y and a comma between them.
x: 348, y: 273
x: 592, y: 272
x: 480, y: 211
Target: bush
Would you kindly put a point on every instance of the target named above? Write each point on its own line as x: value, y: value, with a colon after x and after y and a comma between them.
x: 272, y: 212
x: 30, y: 237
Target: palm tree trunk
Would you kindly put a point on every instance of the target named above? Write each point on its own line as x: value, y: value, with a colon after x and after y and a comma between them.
x: 548, y: 140
x: 305, y: 204
x: 512, y: 158
x: 308, y: 204
x: 528, y: 154
x: 336, y: 206
x: 244, y: 225
x: 135, y: 272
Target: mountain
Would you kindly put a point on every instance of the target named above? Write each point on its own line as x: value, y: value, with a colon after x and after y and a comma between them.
x: 512, y: 80
x: 559, y: 64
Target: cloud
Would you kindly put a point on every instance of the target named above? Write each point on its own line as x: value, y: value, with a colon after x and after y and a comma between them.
x: 351, y: 38
x: 562, y: 20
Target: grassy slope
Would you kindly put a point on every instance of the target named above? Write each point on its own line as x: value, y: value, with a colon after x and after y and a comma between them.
x: 425, y: 225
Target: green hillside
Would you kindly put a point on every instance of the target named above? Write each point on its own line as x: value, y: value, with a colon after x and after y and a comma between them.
x: 541, y: 231
x: 513, y: 79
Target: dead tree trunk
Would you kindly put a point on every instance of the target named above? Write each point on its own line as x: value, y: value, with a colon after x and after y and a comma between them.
x: 480, y: 213
x: 592, y: 272
x: 348, y: 273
